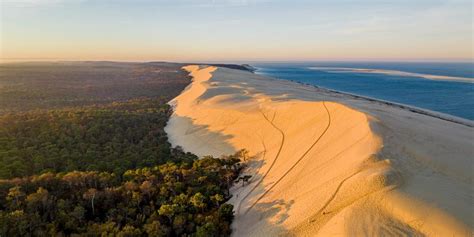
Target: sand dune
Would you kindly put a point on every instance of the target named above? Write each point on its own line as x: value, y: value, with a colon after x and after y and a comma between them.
x: 328, y: 164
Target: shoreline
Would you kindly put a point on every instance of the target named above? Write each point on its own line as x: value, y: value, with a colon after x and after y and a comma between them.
x: 411, y: 108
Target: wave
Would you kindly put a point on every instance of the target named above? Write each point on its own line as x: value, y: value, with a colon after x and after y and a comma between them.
x: 392, y: 73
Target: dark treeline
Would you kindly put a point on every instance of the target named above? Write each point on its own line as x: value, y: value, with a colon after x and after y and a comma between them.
x: 83, y: 151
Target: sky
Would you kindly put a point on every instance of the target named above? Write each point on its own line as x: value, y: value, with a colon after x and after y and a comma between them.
x: 236, y: 30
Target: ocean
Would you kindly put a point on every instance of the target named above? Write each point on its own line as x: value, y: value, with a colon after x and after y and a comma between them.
x: 401, y: 82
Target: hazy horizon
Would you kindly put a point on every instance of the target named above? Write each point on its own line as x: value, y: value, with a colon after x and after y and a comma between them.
x: 235, y: 30
x: 52, y: 60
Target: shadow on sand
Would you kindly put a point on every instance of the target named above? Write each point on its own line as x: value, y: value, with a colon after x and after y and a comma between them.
x: 249, y: 213
x: 202, y: 141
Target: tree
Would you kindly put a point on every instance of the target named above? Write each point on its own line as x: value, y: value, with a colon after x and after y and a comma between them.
x: 206, y: 230
x: 129, y: 231
x: 217, y: 199
x: 226, y: 212
x: 198, y: 201
x: 15, y: 196
x: 78, y: 213
x: 242, y: 154
x: 155, y: 228
x: 39, y: 200
x: 168, y: 211
x: 90, y: 195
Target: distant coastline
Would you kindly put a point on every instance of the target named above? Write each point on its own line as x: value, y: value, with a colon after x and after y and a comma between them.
x: 393, y: 73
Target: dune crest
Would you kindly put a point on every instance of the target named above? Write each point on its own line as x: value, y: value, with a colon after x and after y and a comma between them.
x: 316, y: 165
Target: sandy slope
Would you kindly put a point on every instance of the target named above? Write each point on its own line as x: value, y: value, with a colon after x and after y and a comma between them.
x: 322, y: 167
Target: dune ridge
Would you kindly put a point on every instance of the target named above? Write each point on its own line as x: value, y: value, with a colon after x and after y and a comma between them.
x: 320, y: 167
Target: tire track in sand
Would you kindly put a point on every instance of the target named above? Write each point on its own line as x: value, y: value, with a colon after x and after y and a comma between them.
x: 298, y: 161
x: 333, y: 196
x: 271, y: 165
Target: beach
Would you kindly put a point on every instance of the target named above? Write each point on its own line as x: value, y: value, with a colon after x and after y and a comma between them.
x: 325, y: 163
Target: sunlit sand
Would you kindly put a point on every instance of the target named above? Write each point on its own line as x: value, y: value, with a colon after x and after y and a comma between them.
x: 327, y: 164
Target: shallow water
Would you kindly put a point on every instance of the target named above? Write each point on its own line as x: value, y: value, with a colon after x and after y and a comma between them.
x: 405, y: 83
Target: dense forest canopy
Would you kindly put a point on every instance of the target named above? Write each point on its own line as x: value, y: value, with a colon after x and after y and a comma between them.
x: 114, y: 137
x: 173, y: 199
x: 83, y: 152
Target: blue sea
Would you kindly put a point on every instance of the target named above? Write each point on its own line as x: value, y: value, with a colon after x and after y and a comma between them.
x: 401, y: 82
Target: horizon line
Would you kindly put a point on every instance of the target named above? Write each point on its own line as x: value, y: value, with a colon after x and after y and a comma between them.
x: 445, y: 60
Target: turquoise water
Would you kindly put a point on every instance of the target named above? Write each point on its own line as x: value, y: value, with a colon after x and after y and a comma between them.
x: 406, y: 83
